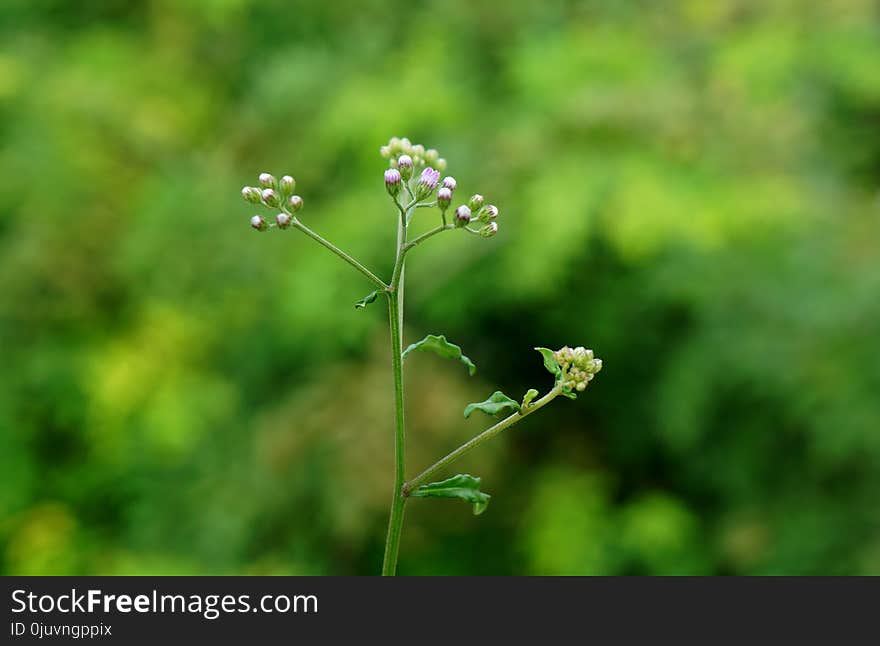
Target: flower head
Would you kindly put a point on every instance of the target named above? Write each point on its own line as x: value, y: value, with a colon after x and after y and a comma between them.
x: 444, y: 197
x: 488, y: 213
x: 287, y: 185
x: 295, y: 203
x: 427, y: 182
x: 449, y: 182
x: 267, y: 180
x: 392, y: 181
x: 476, y: 202
x: 462, y: 215
x: 258, y: 223
x: 282, y: 220
x: 405, y: 166
x: 252, y: 194
x: 579, y: 366
x: 489, y: 230
x: 270, y: 197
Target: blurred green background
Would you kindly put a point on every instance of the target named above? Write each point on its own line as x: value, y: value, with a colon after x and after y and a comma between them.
x: 690, y: 188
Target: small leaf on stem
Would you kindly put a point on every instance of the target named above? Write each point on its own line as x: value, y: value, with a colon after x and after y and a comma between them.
x: 528, y: 398
x: 366, y: 300
x: 550, y: 361
x: 440, y: 346
x: 498, y: 403
x: 462, y: 486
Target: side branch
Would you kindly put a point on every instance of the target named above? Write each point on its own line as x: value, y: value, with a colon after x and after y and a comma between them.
x: 339, y: 252
x: 474, y: 442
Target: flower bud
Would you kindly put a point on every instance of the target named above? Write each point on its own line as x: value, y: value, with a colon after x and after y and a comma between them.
x: 287, y: 185
x: 489, y: 230
x: 441, y: 164
x: 462, y: 216
x: 488, y: 213
x: 252, y: 194
x: 282, y: 220
x: 418, y: 151
x: 444, y: 197
x: 431, y: 156
x: 449, y: 182
x: 405, y: 166
x: 270, y: 197
x: 392, y: 181
x: 295, y: 202
x: 385, y: 151
x: 267, y: 180
x: 427, y: 182
x: 476, y: 202
x: 258, y: 223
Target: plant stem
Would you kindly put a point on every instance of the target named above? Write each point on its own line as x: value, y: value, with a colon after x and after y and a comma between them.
x: 339, y: 252
x: 474, y: 442
x: 398, y: 501
x: 426, y: 235
x: 395, y: 295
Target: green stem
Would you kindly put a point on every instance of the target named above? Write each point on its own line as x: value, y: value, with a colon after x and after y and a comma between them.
x: 398, y: 501
x: 395, y: 293
x: 474, y: 442
x: 426, y: 235
x: 339, y: 252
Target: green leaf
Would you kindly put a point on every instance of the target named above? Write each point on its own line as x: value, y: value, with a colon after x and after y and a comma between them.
x: 550, y: 361
x: 462, y: 486
x: 497, y: 404
x: 366, y: 300
x: 440, y: 346
x: 528, y: 397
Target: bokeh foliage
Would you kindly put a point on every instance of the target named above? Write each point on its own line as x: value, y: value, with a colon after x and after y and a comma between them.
x: 690, y: 188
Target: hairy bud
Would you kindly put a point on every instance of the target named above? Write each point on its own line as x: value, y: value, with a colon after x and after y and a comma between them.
x: 393, y: 181
x: 287, y: 185
x: 462, y: 216
x: 476, y: 202
x: 444, y: 197
x: 270, y: 197
x: 405, y: 166
x: 427, y: 182
x: 267, y: 180
x: 282, y: 220
x: 489, y: 230
x: 295, y: 203
x: 252, y: 194
x: 449, y: 182
x: 258, y: 223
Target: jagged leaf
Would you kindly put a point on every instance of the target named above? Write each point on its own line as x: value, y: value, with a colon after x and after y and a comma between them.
x: 440, y: 346
x: 497, y: 404
x: 462, y: 486
x: 366, y: 300
x: 528, y: 397
x: 550, y: 361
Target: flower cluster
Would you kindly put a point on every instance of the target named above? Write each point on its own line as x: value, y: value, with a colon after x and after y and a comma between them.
x: 578, y: 367
x: 275, y: 194
x: 410, y: 161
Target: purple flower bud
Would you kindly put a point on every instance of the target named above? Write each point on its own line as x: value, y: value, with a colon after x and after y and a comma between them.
x: 450, y: 183
x: 476, y: 202
x: 267, y: 180
x: 259, y: 223
x: 488, y: 213
x: 252, y: 194
x: 282, y: 220
x: 405, y: 166
x: 295, y: 202
x: 392, y: 181
x: 462, y: 216
x: 287, y: 185
x: 489, y: 230
x: 270, y: 197
x: 427, y: 182
x: 444, y: 197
